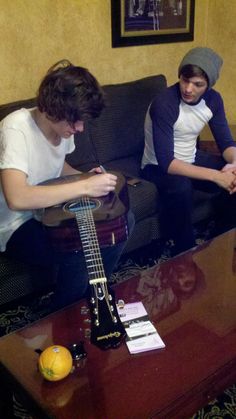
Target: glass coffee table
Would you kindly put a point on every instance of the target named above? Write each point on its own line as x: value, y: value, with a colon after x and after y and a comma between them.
x: 191, y: 301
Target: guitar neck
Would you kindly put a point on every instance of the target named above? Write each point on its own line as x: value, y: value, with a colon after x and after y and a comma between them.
x: 89, y: 240
x: 106, y: 328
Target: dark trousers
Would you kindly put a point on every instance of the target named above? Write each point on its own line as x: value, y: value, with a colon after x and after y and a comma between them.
x: 30, y: 244
x: 176, y: 195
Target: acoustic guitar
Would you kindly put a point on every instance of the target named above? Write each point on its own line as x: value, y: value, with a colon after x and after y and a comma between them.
x: 89, y: 223
x: 109, y: 213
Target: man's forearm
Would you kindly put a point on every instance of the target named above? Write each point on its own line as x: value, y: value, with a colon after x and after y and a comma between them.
x: 224, y: 179
x: 178, y: 167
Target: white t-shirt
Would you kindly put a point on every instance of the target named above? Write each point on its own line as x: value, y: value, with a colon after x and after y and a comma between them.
x: 24, y: 147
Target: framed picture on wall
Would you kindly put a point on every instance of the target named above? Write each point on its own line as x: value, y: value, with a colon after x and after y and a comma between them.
x: 142, y: 22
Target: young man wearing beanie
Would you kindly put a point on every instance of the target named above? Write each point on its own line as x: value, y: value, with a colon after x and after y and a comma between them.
x: 171, y: 159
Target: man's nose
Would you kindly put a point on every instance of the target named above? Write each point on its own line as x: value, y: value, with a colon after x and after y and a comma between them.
x: 79, y: 126
x: 188, y: 87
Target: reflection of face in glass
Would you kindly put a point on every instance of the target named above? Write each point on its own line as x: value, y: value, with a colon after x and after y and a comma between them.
x: 157, y: 296
x: 163, y: 287
x: 186, y: 284
x: 185, y: 276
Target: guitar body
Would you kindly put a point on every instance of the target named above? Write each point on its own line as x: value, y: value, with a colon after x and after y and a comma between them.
x: 66, y: 238
x: 109, y: 213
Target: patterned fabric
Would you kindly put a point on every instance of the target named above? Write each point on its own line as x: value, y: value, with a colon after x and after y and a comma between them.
x: 223, y: 407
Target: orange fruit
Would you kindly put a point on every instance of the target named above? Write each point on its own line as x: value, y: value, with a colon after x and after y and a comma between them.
x: 55, y: 362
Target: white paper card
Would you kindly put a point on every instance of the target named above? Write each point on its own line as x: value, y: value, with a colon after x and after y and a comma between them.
x: 141, y: 333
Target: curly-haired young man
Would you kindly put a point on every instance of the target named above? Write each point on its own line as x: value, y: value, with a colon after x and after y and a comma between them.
x: 33, y: 146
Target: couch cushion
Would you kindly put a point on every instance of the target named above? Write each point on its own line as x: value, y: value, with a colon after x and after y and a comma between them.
x: 129, y: 166
x: 144, y: 200
x: 119, y: 131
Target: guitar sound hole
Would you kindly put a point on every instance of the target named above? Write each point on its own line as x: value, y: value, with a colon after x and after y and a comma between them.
x: 81, y: 206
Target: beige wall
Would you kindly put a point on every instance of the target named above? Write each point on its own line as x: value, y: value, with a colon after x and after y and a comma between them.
x: 36, y: 33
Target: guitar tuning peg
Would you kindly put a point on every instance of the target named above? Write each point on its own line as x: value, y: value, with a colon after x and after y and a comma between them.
x: 77, y: 350
x: 109, y: 297
x: 86, y: 321
x: 121, y: 303
x: 114, y: 319
x: 84, y: 310
x: 96, y: 322
x: 87, y: 333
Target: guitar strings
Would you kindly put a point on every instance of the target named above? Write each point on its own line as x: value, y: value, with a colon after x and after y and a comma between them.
x: 93, y: 258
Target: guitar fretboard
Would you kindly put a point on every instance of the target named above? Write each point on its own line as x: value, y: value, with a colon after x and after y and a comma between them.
x: 88, y: 235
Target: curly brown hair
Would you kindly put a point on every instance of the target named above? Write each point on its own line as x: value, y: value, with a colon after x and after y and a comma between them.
x: 70, y: 93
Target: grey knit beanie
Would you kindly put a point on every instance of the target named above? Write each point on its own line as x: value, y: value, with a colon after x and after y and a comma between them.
x: 205, y: 58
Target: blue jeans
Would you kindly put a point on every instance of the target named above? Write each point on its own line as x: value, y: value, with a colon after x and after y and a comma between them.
x: 176, y: 198
x: 30, y: 244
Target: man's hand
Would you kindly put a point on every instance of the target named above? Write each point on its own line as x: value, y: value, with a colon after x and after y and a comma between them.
x: 100, y: 185
x: 229, y: 167
x: 99, y: 170
x: 227, y: 180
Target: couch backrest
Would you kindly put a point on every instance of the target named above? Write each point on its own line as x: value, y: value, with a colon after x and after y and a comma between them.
x: 119, y: 131
x: 14, y: 106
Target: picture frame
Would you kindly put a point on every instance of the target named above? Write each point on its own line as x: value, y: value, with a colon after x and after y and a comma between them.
x: 143, y: 22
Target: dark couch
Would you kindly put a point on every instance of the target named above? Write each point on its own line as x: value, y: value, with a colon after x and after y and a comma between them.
x: 115, y: 140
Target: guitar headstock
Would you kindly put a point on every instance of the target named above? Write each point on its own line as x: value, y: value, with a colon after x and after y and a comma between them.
x: 107, y: 331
